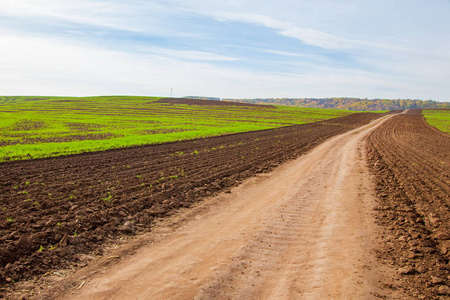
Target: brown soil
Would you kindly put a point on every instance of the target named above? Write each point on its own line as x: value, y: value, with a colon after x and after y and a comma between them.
x: 412, y: 163
x: 69, y: 138
x: 55, y: 211
x: 304, y: 231
x: 208, y: 102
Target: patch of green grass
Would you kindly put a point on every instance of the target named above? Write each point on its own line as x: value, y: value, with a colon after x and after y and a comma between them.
x: 439, y: 119
x: 108, y: 197
x: 34, y: 127
x: 379, y: 111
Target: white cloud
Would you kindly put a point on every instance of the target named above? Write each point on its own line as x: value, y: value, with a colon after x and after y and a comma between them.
x: 317, y: 38
x: 98, y: 13
x: 188, y: 54
x: 48, y: 67
x: 306, y: 35
x: 353, y: 57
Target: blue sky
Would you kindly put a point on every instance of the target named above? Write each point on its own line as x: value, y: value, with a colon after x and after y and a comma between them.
x: 227, y: 48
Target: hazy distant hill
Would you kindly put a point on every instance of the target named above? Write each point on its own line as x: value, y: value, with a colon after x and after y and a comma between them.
x: 349, y: 103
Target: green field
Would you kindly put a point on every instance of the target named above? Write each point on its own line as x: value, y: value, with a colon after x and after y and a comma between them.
x: 439, y: 119
x: 34, y: 127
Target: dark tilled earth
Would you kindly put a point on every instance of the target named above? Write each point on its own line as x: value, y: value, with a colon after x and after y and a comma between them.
x: 411, y: 161
x: 55, y: 211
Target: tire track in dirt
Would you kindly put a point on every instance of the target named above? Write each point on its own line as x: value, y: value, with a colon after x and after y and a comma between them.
x: 304, y: 231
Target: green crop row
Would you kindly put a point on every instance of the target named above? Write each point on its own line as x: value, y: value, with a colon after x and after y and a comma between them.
x: 33, y: 127
x: 438, y: 118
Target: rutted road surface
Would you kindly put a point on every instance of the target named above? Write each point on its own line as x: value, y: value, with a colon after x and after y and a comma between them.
x: 304, y: 231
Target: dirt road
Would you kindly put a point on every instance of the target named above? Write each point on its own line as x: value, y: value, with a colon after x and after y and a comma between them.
x: 304, y: 231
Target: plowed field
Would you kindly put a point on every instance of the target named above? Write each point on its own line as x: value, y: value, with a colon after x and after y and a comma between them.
x: 48, y: 127
x: 55, y: 210
x: 303, y: 231
x: 412, y: 162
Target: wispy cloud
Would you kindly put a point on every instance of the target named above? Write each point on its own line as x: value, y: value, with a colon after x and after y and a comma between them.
x: 98, y: 13
x: 189, y: 54
x: 230, y: 48
x: 306, y: 35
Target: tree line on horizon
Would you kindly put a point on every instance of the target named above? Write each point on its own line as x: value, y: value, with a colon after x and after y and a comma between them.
x: 356, y: 104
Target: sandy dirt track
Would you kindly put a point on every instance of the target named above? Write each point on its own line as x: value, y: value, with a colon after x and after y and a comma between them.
x: 304, y: 231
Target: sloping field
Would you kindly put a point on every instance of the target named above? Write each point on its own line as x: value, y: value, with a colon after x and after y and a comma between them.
x: 55, y: 210
x: 412, y: 162
x: 438, y: 118
x: 35, y: 127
